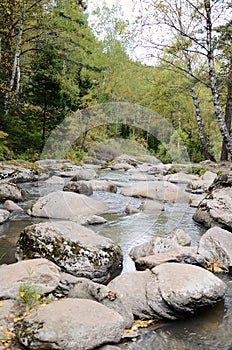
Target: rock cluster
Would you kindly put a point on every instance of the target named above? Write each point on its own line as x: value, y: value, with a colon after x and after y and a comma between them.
x: 78, y: 271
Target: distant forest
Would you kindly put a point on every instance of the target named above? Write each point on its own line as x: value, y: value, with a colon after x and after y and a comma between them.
x: 54, y: 61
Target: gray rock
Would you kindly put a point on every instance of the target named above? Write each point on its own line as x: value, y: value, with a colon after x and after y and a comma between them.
x: 11, y: 206
x: 40, y: 273
x: 55, y: 180
x: 75, y: 248
x: 11, y: 191
x: 4, y: 215
x: 161, y: 244
x: 87, y: 289
x: 170, y: 290
x: 201, y: 184
x: 109, y: 347
x: 92, y: 220
x: 160, y: 190
x: 151, y: 205
x: 131, y: 288
x: 57, y: 167
x: 184, y: 288
x: 187, y: 255
x: 94, y: 325
x: 195, y: 199
x: 130, y: 209
x: 216, y: 245
x: 142, y: 177
x: 215, y: 209
x: 67, y: 205
x: 82, y: 187
x: 103, y: 185
x: 181, y: 178
x: 84, y: 174
x: 8, y: 308
x: 18, y: 171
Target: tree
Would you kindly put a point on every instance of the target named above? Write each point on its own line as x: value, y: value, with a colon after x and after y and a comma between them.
x: 185, y: 21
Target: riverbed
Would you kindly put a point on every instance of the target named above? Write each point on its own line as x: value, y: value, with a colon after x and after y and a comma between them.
x: 208, y: 329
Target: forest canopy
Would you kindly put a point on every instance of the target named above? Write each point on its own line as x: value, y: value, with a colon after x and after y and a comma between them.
x: 55, y: 61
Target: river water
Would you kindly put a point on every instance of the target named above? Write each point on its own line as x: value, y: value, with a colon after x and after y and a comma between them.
x: 208, y: 329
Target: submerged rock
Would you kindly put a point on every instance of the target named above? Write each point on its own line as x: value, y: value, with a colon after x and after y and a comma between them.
x: 75, y: 248
x: 76, y: 324
x: 67, y: 206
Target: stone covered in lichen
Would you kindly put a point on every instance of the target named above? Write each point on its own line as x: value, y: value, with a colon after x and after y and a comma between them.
x: 76, y: 249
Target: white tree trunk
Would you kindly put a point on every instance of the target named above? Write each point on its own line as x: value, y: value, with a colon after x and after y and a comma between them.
x: 213, y: 80
x: 16, y: 65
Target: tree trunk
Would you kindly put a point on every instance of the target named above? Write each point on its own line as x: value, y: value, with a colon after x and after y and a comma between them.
x: 16, y: 65
x: 200, y: 123
x: 228, y: 115
x: 213, y: 80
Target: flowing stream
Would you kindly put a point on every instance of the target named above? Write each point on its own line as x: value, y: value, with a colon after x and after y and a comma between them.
x: 208, y: 329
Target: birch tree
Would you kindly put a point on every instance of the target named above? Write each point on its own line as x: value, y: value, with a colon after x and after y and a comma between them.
x: 190, y: 25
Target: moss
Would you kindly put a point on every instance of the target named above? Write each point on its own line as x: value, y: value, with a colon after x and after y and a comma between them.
x: 196, y: 170
x: 174, y: 169
x: 21, y: 163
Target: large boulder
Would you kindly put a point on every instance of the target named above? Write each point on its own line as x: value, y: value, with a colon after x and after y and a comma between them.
x: 40, y: 273
x: 75, y: 248
x: 4, y: 215
x: 169, y: 291
x: 87, y: 289
x: 57, y: 167
x: 131, y: 288
x: 11, y: 191
x: 18, y: 171
x: 216, y: 246
x: 160, y: 190
x: 216, y: 209
x: 184, y: 288
x: 201, y: 185
x: 67, y: 206
x: 161, y: 244
x: 76, y: 324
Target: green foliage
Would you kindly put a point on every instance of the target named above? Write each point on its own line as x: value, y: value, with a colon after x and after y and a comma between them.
x: 67, y: 65
x: 75, y: 155
x: 174, y: 169
x: 196, y: 170
x: 29, y: 296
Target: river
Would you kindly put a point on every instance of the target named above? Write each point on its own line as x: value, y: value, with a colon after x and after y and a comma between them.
x: 208, y: 329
